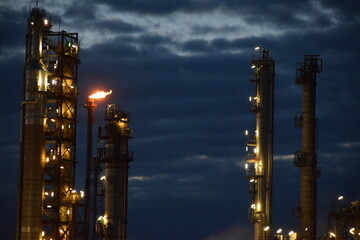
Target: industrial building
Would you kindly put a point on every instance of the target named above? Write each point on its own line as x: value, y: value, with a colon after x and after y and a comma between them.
x: 48, y: 200
x: 49, y: 206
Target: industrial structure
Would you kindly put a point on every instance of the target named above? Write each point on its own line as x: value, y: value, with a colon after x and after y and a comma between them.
x: 111, y: 189
x: 306, y: 158
x: 48, y: 201
x: 259, y: 147
x: 344, y: 222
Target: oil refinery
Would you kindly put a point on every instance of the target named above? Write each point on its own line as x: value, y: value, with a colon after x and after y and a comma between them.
x: 49, y: 206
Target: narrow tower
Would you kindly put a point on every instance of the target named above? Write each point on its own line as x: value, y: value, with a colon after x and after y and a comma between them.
x: 306, y: 159
x: 260, y: 145
x: 115, y: 158
x: 47, y: 199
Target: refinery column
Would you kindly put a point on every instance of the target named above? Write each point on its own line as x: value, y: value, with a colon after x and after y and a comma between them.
x: 32, y: 157
x: 306, y: 159
x: 260, y: 145
x: 116, y: 158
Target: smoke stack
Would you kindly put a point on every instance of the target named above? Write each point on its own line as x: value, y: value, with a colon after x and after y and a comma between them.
x: 306, y: 158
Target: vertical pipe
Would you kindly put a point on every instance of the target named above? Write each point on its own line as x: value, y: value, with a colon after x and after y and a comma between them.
x: 90, y: 106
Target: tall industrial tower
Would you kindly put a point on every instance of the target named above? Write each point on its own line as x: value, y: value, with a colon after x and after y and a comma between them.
x: 47, y: 199
x: 306, y: 159
x: 114, y: 158
x: 260, y: 145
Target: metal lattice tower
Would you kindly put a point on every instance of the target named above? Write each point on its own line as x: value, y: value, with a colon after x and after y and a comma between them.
x: 260, y: 145
x: 47, y: 207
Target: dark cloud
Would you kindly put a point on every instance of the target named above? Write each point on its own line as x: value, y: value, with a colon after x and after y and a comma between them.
x: 188, y: 99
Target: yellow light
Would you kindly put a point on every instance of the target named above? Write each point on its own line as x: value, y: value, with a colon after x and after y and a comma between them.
x: 352, y: 231
x: 100, y: 94
x: 279, y: 231
x: 246, y: 132
x: 68, y: 212
x: 291, y: 232
x: 266, y: 228
x: 82, y: 194
x: 100, y: 218
x: 340, y: 198
x: 246, y: 165
x: 257, y: 48
x: 62, y: 167
x: 252, y: 206
x: 46, y: 193
x: 252, y: 180
x: 43, y: 233
x: 48, y: 206
x: 102, y: 178
x: 253, y: 66
x: 250, y: 98
x: 332, y: 234
x: 46, y: 22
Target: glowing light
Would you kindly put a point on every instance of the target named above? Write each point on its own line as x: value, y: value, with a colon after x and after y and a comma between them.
x: 62, y: 167
x: 257, y: 48
x: 340, y: 198
x: 279, y: 231
x: 253, y: 66
x: 46, y: 193
x: 82, y: 194
x: 100, y: 94
x: 266, y: 228
x: 250, y: 98
x: 68, y: 212
x: 352, y: 231
x: 332, y: 234
x: 291, y: 232
x: 246, y: 166
x: 252, y: 180
x: 246, y: 132
x: 43, y: 233
x: 46, y: 22
x: 306, y: 229
x: 48, y: 206
x: 252, y: 206
x: 100, y: 218
x: 102, y: 178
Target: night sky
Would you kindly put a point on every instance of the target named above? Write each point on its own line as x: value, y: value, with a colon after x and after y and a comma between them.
x: 181, y: 67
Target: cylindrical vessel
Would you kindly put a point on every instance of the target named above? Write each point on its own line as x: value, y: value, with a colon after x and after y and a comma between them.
x: 116, y: 173
x: 31, y: 195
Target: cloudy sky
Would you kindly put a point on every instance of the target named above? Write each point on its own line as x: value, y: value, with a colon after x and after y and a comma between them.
x: 181, y: 68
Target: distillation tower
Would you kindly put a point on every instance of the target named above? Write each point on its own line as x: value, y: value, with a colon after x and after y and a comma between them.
x: 47, y: 202
x: 306, y: 158
x: 259, y: 147
x: 113, y: 159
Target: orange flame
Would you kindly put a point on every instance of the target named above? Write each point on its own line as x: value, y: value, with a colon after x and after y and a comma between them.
x: 100, y: 94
